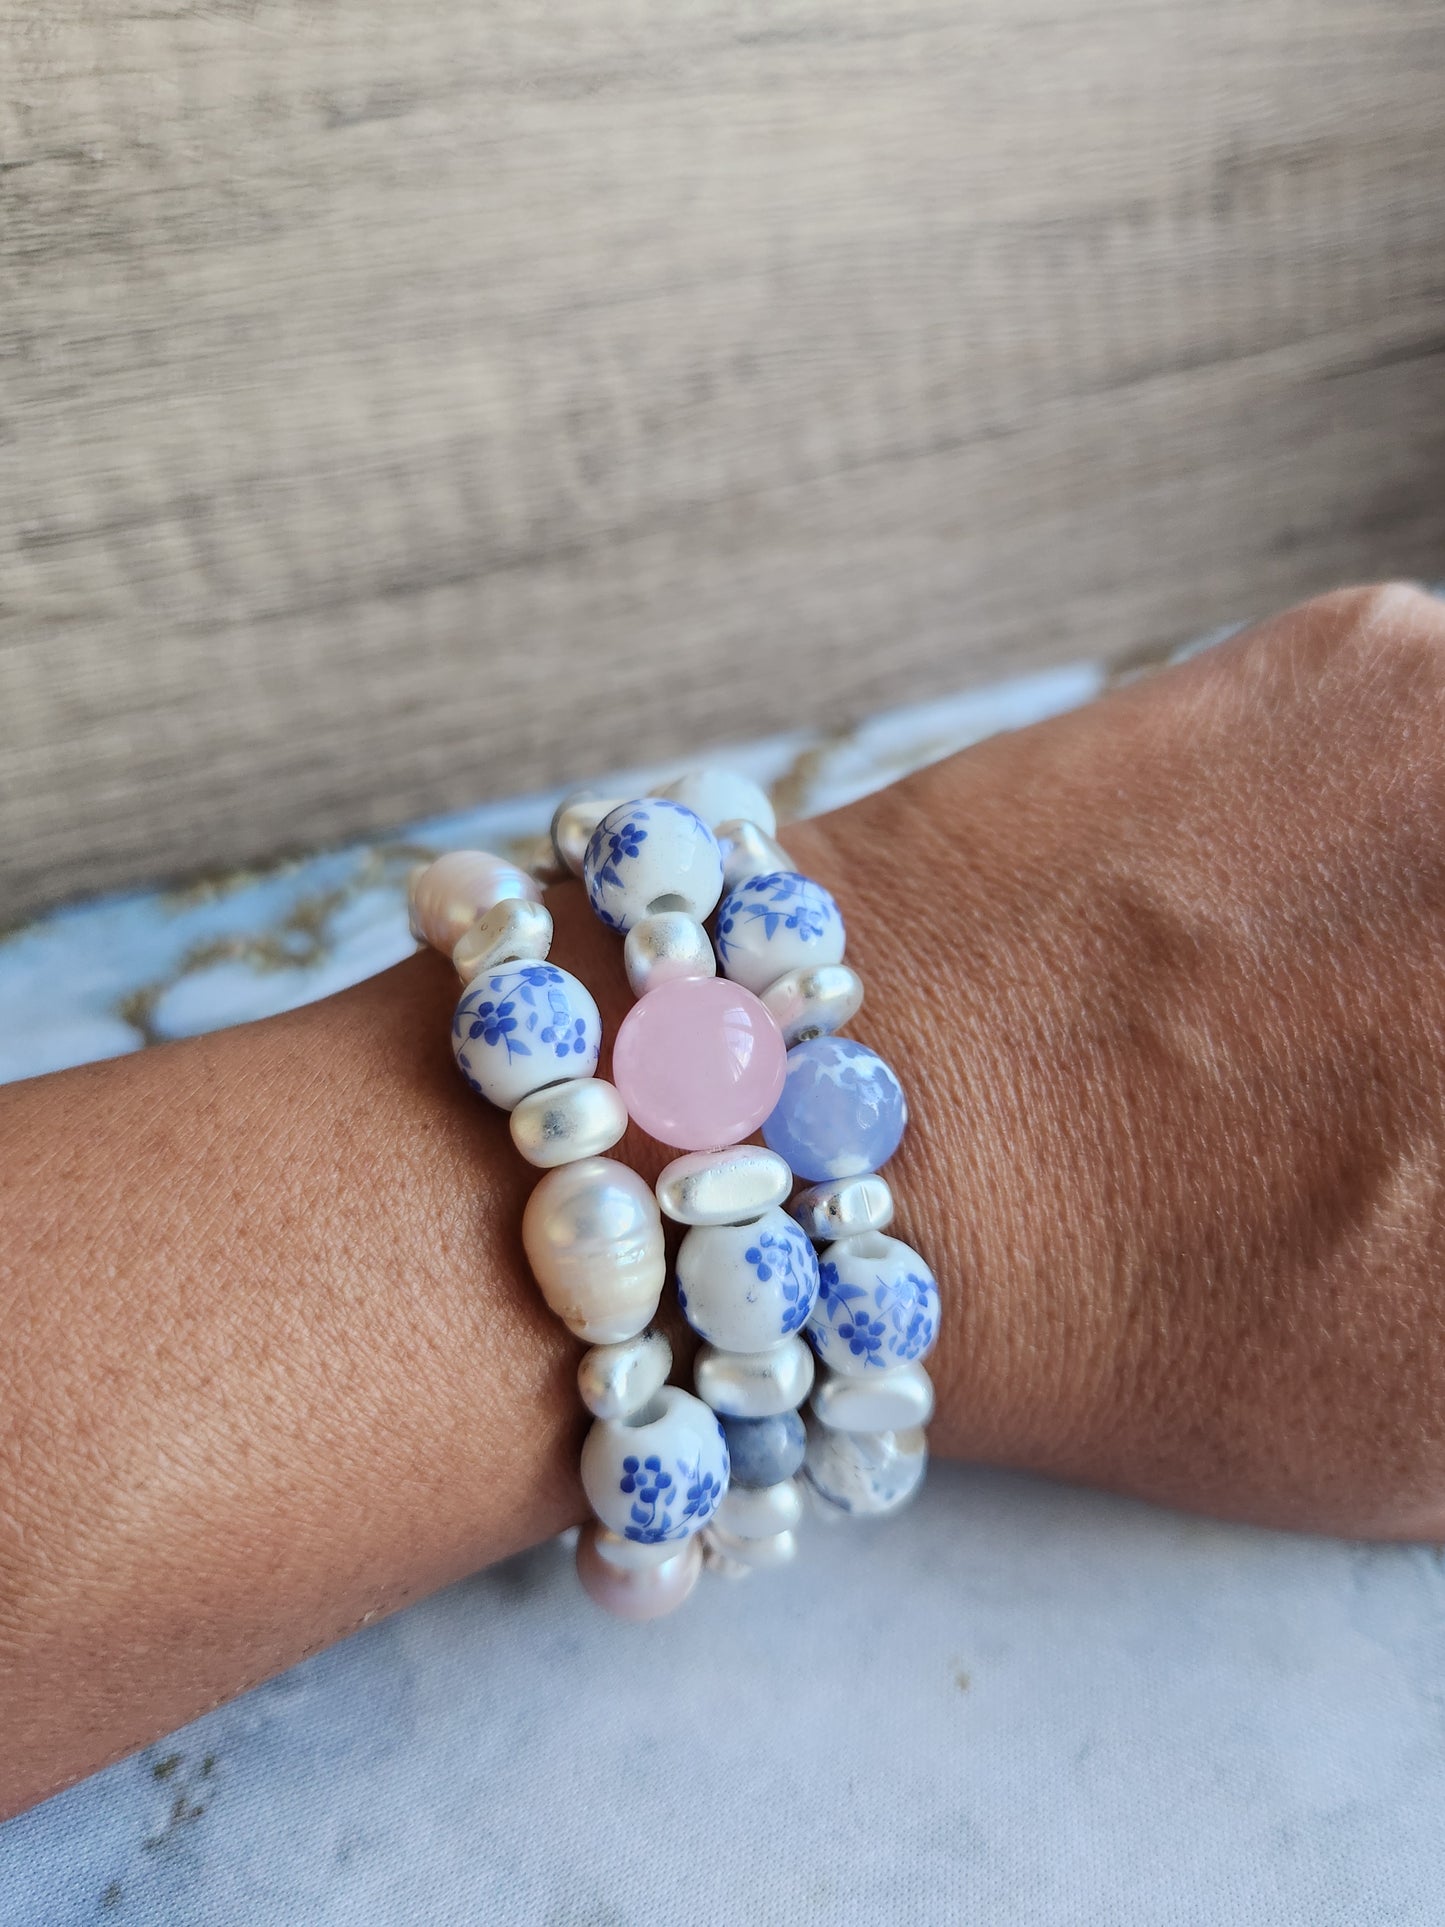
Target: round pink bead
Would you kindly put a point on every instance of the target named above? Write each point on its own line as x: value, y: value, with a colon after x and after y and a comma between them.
x: 451, y: 893
x: 699, y: 1062
x: 647, y: 1593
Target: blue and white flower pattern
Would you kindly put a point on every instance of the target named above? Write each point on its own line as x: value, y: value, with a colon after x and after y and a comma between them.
x: 842, y: 1111
x: 785, y: 1259
x: 774, y: 923
x: 524, y: 1025
x: 658, y: 1479
x: 646, y: 850
x: 877, y: 1306
x: 746, y: 1287
x: 671, y: 1499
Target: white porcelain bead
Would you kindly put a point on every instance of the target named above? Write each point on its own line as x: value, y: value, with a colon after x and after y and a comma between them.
x: 593, y: 1238
x: 671, y: 944
x: 877, y: 1306
x: 723, y: 1187
x: 446, y: 896
x: 617, y: 1379
x: 754, y: 1384
x: 723, y: 796
x: 580, y: 1118
x: 866, y: 1474
x: 844, y: 1208
x: 759, y: 1513
x: 511, y: 931
x: 651, y: 855
x: 892, y: 1402
x: 639, y: 1594
x: 775, y: 923
x: 522, y: 1026
x: 573, y: 821
x: 628, y: 1555
x: 814, y: 1001
x: 778, y: 1549
x: 749, y: 851
x: 747, y: 1287
x: 658, y: 1474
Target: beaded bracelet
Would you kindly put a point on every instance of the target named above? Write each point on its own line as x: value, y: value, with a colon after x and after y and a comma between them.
x: 700, y: 1063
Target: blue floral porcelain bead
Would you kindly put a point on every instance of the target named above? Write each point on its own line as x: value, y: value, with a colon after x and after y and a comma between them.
x: 747, y: 1287
x: 521, y: 1026
x: 877, y: 1306
x: 774, y: 923
x: 762, y: 1451
x: 842, y: 1111
x: 651, y: 856
x: 659, y: 1474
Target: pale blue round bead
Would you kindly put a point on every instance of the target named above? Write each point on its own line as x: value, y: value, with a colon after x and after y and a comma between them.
x: 764, y: 1450
x: 842, y: 1111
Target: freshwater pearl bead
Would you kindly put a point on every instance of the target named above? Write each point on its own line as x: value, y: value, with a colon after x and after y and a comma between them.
x: 723, y: 1187
x: 593, y: 1238
x: 842, y: 1111
x: 815, y: 1001
x: 629, y: 1555
x: 521, y: 1026
x: 699, y: 1063
x: 844, y: 1208
x: 648, y: 856
x: 659, y: 1474
x: 764, y: 1450
x: 778, y: 1549
x: 877, y: 1306
x: 573, y: 821
x: 722, y: 796
x: 746, y: 1287
x: 759, y: 1512
x: 648, y: 1593
x: 617, y: 1379
x: 749, y: 851
x: 895, y: 1402
x: 580, y: 1118
x: 754, y: 1384
x: 663, y: 948
x: 515, y: 929
x: 866, y: 1474
x: 777, y: 922
x: 457, y: 888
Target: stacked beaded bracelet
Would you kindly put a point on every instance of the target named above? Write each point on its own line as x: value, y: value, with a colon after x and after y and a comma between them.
x: 700, y: 1063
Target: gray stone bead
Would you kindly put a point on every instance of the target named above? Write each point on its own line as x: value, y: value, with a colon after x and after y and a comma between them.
x: 748, y: 851
x: 764, y: 1450
x: 844, y: 1207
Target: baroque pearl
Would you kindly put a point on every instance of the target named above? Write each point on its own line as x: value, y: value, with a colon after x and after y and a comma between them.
x: 578, y: 1118
x: 759, y: 1512
x: 513, y: 929
x: 754, y: 1384
x: 894, y: 1402
x: 877, y: 1306
x: 662, y: 948
x: 723, y: 1187
x: 593, y: 1238
x: 521, y: 1026
x: 452, y: 892
x: 617, y: 1379
x: 814, y: 1001
x: 641, y: 1593
x: 842, y: 1111
x: 866, y: 1474
x: 660, y: 1473
x: 746, y: 1287
x: 764, y: 1450
x: 777, y: 922
x: 651, y: 855
x: 721, y: 796
x: 699, y: 1063
x: 844, y: 1208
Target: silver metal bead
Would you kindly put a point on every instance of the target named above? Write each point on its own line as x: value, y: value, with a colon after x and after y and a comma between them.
x: 579, y: 1118
x: 844, y: 1208
x: 778, y: 1549
x: 723, y: 1187
x: 760, y: 1511
x: 723, y: 796
x: 866, y: 1474
x: 510, y: 932
x: 666, y: 946
x: 814, y: 1001
x: 893, y: 1402
x: 754, y: 1384
x: 617, y: 1379
x: 573, y: 821
x: 594, y: 1241
x: 749, y: 851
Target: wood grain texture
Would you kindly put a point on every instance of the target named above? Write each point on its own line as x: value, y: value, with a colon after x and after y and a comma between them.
x: 404, y: 404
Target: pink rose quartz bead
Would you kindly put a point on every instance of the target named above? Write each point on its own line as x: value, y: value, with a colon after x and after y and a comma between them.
x: 641, y: 1593
x: 450, y: 894
x: 700, y: 1063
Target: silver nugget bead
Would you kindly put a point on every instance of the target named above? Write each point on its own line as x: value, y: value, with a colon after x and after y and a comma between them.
x: 617, y: 1379
x: 893, y: 1402
x: 573, y: 821
x: 512, y: 931
x: 775, y: 1550
x: 754, y: 1384
x: 723, y: 1187
x: 844, y: 1208
x: 666, y: 946
x: 748, y: 851
x: 757, y: 1512
x: 814, y: 1001
x: 579, y: 1118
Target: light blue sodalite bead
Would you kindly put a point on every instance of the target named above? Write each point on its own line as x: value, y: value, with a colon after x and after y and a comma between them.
x: 774, y: 923
x: 764, y: 1450
x: 842, y: 1111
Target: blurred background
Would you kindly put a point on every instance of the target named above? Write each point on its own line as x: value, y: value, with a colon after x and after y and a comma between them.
x: 402, y: 406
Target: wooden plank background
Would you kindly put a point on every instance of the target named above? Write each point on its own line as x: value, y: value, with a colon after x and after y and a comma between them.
x: 403, y: 401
